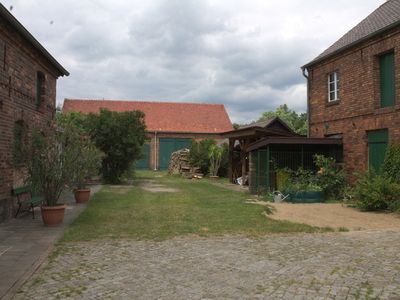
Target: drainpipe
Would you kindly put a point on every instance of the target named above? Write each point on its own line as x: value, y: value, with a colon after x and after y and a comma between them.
x: 155, y: 150
x: 306, y: 75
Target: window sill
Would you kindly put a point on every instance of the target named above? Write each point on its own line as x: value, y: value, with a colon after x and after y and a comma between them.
x: 332, y: 103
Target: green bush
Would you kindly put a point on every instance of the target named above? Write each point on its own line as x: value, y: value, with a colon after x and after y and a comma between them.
x: 374, y: 192
x: 301, y: 181
x: 199, y: 154
x: 331, y: 178
x: 120, y: 136
x: 391, y: 164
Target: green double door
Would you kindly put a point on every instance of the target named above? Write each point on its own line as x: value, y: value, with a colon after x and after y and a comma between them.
x: 377, y: 146
x: 169, y: 145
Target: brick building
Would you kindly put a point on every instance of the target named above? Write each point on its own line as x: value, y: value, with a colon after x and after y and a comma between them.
x: 354, y: 89
x: 170, y: 125
x: 28, y: 75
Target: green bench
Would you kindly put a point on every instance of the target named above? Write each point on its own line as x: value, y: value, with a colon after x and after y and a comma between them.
x: 24, y: 196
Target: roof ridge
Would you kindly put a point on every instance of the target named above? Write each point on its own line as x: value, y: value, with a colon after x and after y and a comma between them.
x: 143, y: 101
x: 381, y: 19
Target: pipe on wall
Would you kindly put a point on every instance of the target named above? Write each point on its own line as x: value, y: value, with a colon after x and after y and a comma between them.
x: 155, y: 150
x: 305, y: 71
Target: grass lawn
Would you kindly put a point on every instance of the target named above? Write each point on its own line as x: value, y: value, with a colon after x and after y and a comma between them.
x: 199, y: 207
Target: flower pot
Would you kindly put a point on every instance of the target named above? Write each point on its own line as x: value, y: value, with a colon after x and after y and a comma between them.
x: 53, y: 215
x: 213, y: 177
x: 82, y: 195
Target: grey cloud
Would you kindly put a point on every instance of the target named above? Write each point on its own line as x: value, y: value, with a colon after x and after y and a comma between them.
x: 244, y: 54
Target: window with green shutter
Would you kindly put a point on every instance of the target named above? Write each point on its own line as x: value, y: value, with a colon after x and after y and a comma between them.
x: 387, y: 79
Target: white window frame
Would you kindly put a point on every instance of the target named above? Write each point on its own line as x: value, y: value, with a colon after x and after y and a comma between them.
x: 335, y: 91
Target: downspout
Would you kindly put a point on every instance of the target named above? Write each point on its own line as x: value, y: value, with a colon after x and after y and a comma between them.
x: 306, y: 75
x: 155, y: 150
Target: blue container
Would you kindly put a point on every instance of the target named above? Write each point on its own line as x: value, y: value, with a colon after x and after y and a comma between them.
x: 305, y: 197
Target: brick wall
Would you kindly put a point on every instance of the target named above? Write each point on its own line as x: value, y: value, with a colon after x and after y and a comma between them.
x: 19, y: 64
x: 358, y: 109
x: 151, y: 136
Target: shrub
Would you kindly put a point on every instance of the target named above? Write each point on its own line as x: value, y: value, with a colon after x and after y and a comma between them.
x: 302, y: 180
x: 199, y: 154
x: 120, y: 136
x: 391, y: 164
x: 88, y: 162
x: 375, y: 192
x: 52, y: 161
x: 331, y: 178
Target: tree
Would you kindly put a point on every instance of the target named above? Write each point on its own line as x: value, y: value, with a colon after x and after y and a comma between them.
x: 120, y: 136
x: 298, y: 122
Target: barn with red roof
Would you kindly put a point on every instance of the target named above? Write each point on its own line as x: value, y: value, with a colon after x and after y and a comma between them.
x: 170, y: 125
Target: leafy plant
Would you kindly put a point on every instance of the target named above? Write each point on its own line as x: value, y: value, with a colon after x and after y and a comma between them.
x: 391, y: 164
x: 215, y: 156
x: 52, y: 161
x: 88, y: 162
x: 374, y: 192
x: 199, y: 154
x: 331, y: 178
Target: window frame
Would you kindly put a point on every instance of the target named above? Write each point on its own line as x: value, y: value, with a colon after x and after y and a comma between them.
x: 335, y: 90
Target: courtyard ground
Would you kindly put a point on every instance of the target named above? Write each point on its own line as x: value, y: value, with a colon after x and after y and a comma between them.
x: 169, y: 238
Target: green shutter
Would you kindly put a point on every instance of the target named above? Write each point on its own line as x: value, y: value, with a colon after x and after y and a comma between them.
x: 387, y: 79
x: 377, y: 146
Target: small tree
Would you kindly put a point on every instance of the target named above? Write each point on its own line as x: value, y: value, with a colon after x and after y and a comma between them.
x: 88, y: 162
x: 215, y: 156
x: 52, y: 161
x: 120, y: 136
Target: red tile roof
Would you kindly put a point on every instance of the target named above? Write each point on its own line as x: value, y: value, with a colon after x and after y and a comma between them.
x: 163, y: 116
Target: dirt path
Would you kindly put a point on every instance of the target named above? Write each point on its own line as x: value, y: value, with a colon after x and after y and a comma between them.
x: 334, y: 215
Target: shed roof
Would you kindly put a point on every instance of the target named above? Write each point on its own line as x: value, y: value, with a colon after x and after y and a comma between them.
x: 384, y: 18
x: 163, y: 116
x: 6, y: 15
x: 271, y: 126
x: 293, y: 141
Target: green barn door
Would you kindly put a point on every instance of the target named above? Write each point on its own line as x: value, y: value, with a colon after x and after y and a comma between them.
x: 167, y: 147
x: 377, y: 145
x: 143, y: 163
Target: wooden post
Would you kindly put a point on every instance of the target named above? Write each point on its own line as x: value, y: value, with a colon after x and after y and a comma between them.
x: 230, y: 160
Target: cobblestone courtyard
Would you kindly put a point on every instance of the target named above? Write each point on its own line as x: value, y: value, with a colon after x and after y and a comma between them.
x: 353, y: 265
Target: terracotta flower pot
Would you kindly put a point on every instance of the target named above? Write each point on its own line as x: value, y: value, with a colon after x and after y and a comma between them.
x: 82, y: 195
x: 53, y: 215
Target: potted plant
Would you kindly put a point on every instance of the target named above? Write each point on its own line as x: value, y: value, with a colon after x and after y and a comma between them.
x: 88, y: 164
x: 215, y: 157
x: 50, y: 169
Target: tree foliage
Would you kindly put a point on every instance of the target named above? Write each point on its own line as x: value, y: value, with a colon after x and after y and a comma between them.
x: 298, y: 122
x: 120, y: 136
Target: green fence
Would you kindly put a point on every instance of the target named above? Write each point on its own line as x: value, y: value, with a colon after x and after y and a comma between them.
x: 266, y: 162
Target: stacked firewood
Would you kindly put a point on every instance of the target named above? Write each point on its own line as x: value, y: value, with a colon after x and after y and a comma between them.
x: 179, y: 164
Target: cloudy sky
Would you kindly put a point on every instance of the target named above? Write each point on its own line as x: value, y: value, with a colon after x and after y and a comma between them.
x: 245, y: 54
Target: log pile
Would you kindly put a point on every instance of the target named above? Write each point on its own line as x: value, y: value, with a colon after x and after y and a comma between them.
x: 179, y: 164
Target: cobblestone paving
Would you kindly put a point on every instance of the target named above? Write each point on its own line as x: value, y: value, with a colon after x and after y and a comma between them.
x: 353, y: 265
